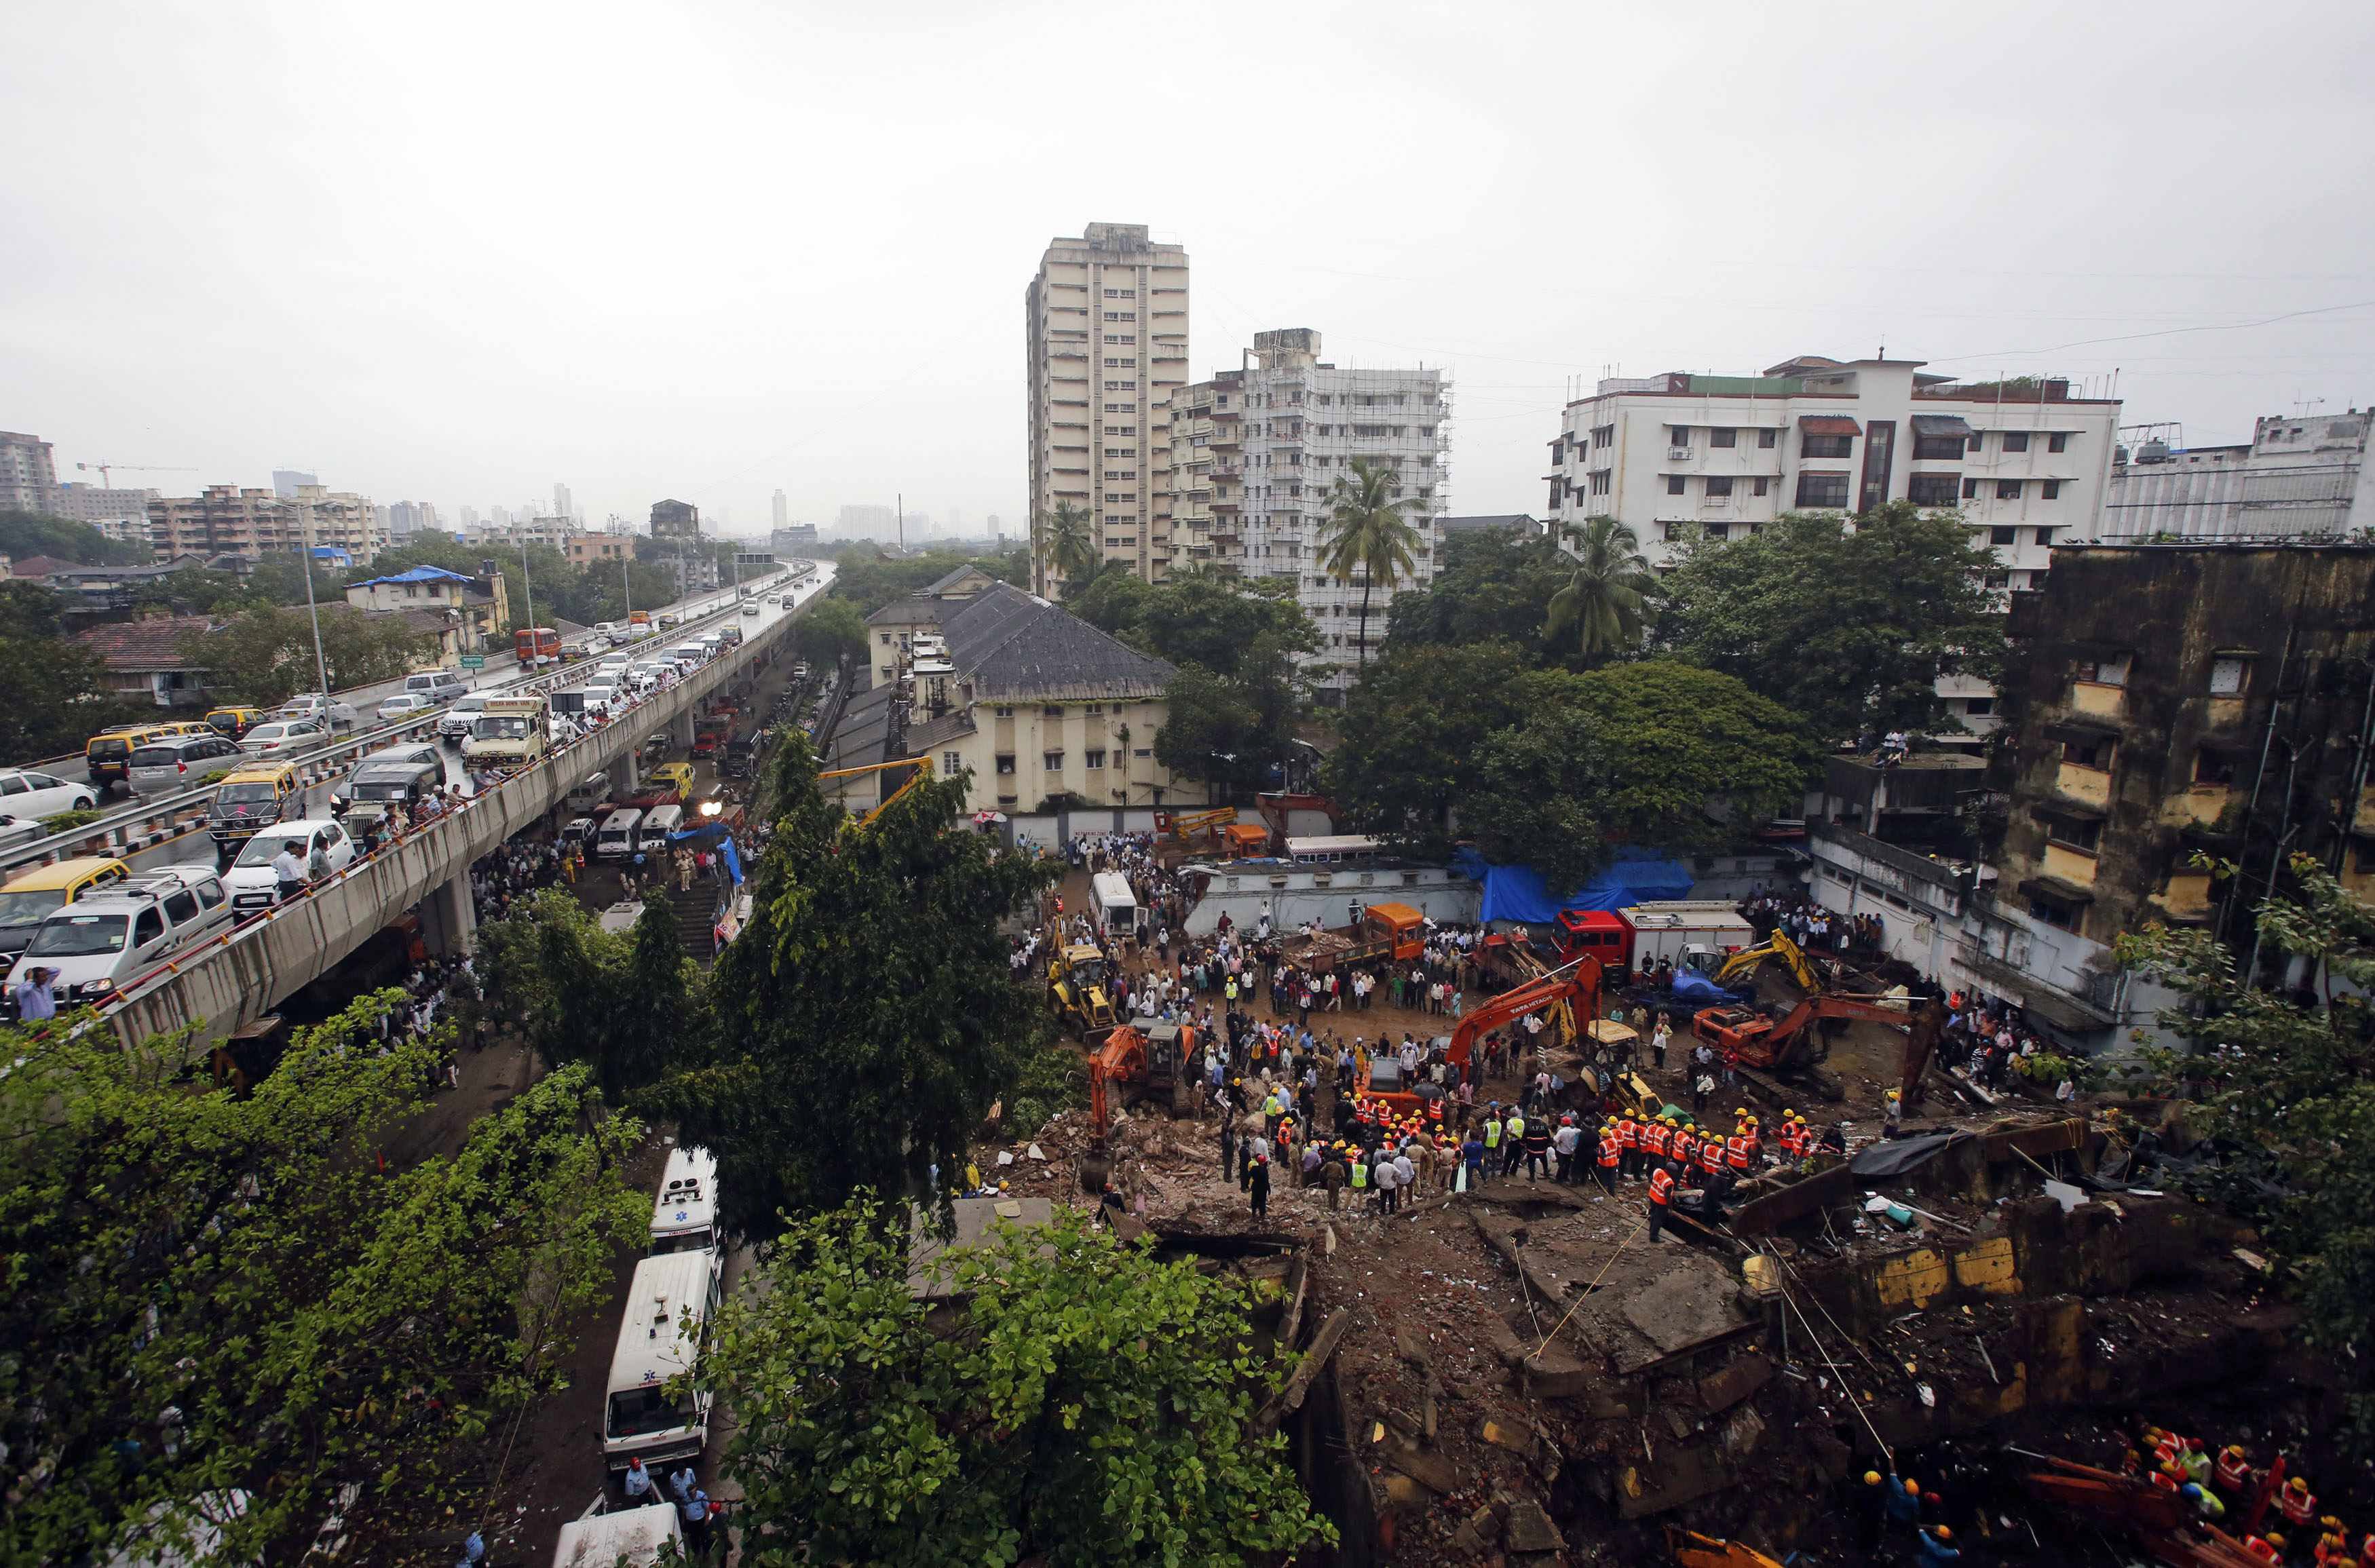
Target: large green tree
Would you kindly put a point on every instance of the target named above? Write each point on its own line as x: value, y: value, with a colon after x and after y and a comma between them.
x: 207, y: 1292
x: 615, y: 1002
x: 866, y: 1018
x: 1847, y: 622
x: 829, y: 630
x: 1599, y: 611
x: 1090, y: 1405
x: 1411, y: 733
x: 2282, y: 1084
x: 1368, y: 535
x: 24, y: 534
x: 1658, y: 754
x: 1214, y: 621
x: 263, y: 655
x: 1065, y: 542
x: 1492, y: 585
x: 53, y: 692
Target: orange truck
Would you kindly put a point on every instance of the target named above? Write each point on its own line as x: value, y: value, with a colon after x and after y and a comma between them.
x: 1387, y: 931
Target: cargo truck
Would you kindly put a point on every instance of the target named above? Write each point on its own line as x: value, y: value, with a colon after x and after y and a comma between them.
x: 510, y: 732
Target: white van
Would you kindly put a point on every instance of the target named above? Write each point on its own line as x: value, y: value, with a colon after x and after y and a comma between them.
x: 668, y: 1307
x: 635, y: 1536
x: 684, y: 1216
x: 1114, y: 907
x: 615, y: 838
x: 651, y: 836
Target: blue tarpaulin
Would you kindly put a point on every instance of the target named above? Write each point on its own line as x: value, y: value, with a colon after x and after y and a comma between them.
x: 1517, y: 892
x: 725, y: 848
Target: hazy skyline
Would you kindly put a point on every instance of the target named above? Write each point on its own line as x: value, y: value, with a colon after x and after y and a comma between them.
x: 458, y: 254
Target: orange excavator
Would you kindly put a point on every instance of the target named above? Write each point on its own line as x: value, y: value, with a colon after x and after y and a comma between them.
x: 1577, y: 984
x: 1130, y: 1059
x: 2162, y: 1522
x: 1792, y: 1044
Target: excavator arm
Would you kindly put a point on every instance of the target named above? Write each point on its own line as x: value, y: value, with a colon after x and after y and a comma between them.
x: 1577, y: 985
x: 1744, y: 964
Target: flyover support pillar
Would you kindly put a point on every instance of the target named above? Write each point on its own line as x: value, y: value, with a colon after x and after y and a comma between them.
x: 449, y: 918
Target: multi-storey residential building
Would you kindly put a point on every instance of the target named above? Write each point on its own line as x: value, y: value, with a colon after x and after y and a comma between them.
x: 1040, y: 706
x: 1256, y: 451
x: 338, y: 520
x: 2304, y: 475
x: 1106, y: 325
x: 675, y: 520
x: 1680, y: 454
x: 554, y: 533
x: 224, y: 520
x: 781, y: 514
x: 96, y: 505
x: 29, y: 476
x: 590, y: 549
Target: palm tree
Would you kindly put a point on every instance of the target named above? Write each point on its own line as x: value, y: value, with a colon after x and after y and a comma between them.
x: 1065, y: 540
x: 1606, y: 593
x: 1367, y: 533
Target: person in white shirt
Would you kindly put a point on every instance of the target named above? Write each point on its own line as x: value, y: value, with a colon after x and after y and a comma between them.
x: 1387, y: 1178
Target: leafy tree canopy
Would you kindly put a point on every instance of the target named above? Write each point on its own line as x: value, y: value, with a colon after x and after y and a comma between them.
x: 265, y: 655
x: 1213, y: 621
x: 1488, y: 586
x: 1235, y: 730
x: 275, y: 1312
x: 1093, y: 1405
x: 866, y: 1018
x: 1411, y: 734
x: 1631, y: 754
x: 614, y: 1002
x: 829, y: 630
x: 24, y: 534
x: 1848, y: 626
x: 2287, y: 1080
x: 869, y: 578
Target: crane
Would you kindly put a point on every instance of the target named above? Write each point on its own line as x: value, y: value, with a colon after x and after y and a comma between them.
x: 106, y: 468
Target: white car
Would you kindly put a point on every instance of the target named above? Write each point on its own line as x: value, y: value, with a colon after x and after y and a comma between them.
x: 404, y: 705
x: 329, y: 713
x: 644, y: 676
x: 14, y: 831
x: 254, y: 885
x: 25, y: 794
x: 454, y: 722
x: 282, y: 737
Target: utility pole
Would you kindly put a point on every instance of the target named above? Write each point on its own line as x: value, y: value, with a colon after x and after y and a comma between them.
x: 321, y: 664
x: 903, y: 521
x: 534, y: 643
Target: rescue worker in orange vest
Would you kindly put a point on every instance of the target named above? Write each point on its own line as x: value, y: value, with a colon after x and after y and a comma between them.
x: 1612, y: 1154
x: 2367, y: 1551
x: 2298, y: 1504
x: 1662, y: 1190
x: 1657, y: 1138
x: 2265, y: 1549
x: 2332, y: 1549
x: 1712, y: 1154
x: 1686, y: 1143
x: 1629, y: 1145
x: 2195, y: 1460
x: 1735, y: 1151
x: 2168, y: 1478
x: 1756, y: 1142
x: 2234, y: 1470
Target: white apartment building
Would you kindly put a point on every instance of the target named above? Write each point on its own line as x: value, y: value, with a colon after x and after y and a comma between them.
x: 554, y: 532
x: 1256, y: 451
x: 227, y: 520
x: 2303, y: 474
x: 1106, y: 324
x: 1679, y: 455
x: 338, y: 520
x: 98, y: 505
x: 29, y: 476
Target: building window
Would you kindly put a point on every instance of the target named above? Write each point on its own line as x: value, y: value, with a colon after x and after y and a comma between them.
x: 2112, y: 671
x: 1006, y: 763
x: 951, y: 764
x: 1937, y: 449
x: 1823, y: 490
x: 2095, y: 752
x: 2051, y: 491
x: 1678, y: 435
x: 1052, y: 760
x: 1719, y: 486
x: 1825, y: 446
x: 1092, y: 759
x: 1933, y: 490
x: 2053, y: 912
x: 2229, y: 675
x: 2016, y: 440
x: 1723, y: 438
x: 2057, y: 441
x: 1767, y: 440
x: 1970, y: 490
x: 2214, y: 766
x: 2045, y: 535
x: 1673, y: 484
x: 2003, y: 535
x: 2072, y: 832
x: 1764, y: 485
x: 1716, y: 530
x: 1979, y: 707
x: 1095, y: 709
x: 1143, y: 752
x: 1002, y: 710
x: 2007, y: 489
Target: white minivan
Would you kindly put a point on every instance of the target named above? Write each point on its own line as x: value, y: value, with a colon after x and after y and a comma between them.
x: 97, y: 943
x: 684, y: 1216
x: 652, y: 834
x: 669, y: 1305
x: 615, y: 838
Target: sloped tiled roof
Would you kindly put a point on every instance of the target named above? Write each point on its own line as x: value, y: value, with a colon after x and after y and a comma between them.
x: 40, y: 566
x: 1007, y: 643
x: 959, y: 575
x: 136, y: 646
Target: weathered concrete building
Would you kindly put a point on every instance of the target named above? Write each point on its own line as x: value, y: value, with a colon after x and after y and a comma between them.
x: 2172, y: 701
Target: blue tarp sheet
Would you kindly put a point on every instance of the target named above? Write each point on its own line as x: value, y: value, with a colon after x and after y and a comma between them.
x: 1517, y: 892
x: 704, y: 834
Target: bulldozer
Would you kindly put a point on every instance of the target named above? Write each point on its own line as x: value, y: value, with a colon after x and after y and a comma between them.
x: 1078, y: 982
x: 1135, y: 1060
x: 1741, y: 967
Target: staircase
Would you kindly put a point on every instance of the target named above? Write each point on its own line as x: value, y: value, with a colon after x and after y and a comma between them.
x: 692, y: 910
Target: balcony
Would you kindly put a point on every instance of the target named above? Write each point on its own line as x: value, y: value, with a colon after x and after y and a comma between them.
x: 2096, y: 700
x: 2064, y: 865
x: 2091, y: 787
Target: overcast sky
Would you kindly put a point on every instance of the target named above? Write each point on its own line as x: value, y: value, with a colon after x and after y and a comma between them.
x: 457, y: 253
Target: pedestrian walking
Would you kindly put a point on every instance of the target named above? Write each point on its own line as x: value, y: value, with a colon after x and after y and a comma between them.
x: 696, y: 1523
x: 1259, y: 1187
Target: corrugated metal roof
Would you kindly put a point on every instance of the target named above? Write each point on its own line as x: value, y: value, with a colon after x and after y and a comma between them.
x: 1940, y: 425
x: 1828, y: 424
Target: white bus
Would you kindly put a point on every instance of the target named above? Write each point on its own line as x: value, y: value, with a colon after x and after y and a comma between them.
x: 615, y: 838
x: 1335, y: 849
x: 642, y: 1417
x: 684, y: 1217
x: 636, y: 1536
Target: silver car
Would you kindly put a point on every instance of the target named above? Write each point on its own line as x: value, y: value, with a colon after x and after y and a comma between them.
x: 328, y: 712
x: 283, y: 737
x: 175, y: 763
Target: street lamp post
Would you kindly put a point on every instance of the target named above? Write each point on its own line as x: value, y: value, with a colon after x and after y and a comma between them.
x: 534, y: 643
x: 306, y: 539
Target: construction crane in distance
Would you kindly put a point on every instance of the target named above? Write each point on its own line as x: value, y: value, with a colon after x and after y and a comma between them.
x: 105, y: 468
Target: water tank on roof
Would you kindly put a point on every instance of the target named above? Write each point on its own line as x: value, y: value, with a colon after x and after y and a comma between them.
x: 2154, y: 451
